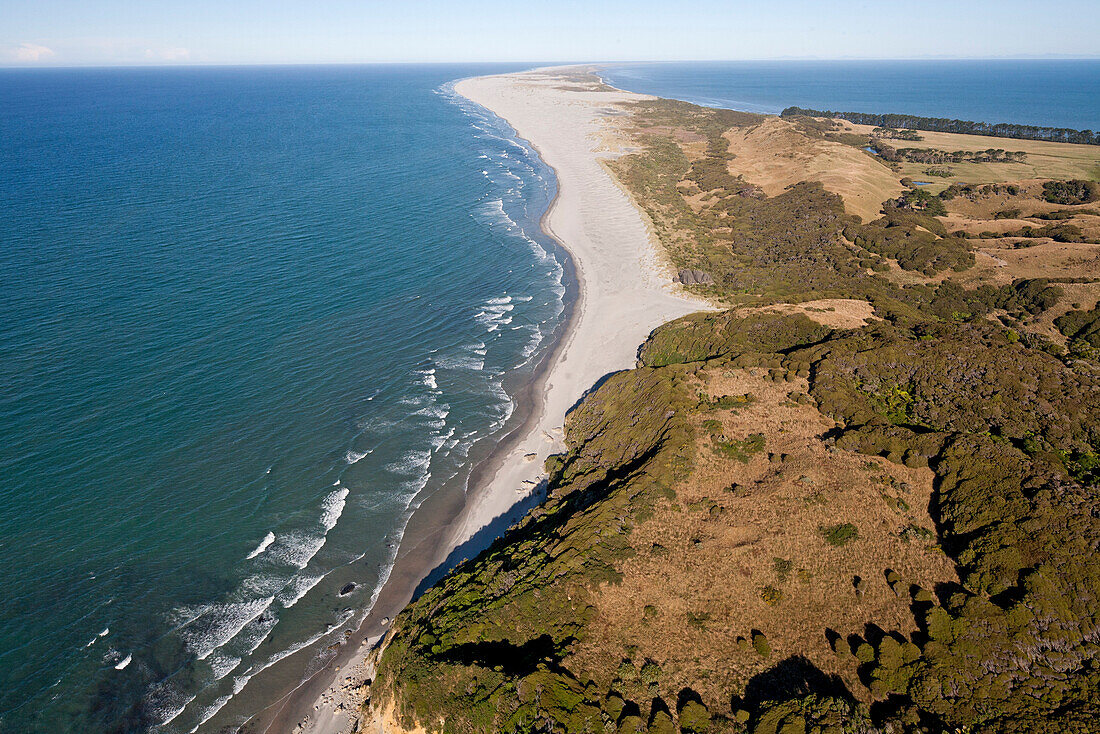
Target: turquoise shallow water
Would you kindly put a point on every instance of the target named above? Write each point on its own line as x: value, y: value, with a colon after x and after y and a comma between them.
x: 250, y: 319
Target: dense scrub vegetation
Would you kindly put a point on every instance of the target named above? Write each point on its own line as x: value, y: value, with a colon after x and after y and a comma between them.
x: 1005, y: 422
x: 1012, y: 435
x: 944, y: 125
x: 1071, y: 192
x: 1082, y: 329
x: 895, y: 134
x: 1056, y: 232
x: 935, y: 156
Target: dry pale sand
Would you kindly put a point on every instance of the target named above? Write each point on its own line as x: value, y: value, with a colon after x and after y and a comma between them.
x: 625, y: 291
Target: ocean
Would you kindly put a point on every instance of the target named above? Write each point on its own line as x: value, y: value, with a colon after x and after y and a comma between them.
x: 1047, y: 92
x: 251, y: 318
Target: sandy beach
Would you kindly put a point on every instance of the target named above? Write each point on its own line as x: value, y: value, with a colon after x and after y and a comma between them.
x: 624, y: 291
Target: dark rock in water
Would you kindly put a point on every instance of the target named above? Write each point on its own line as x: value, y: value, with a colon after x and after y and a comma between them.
x: 694, y: 277
x: 348, y: 588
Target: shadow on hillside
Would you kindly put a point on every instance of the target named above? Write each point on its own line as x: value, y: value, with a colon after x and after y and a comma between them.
x: 793, y: 677
x: 513, y: 660
x: 483, y: 538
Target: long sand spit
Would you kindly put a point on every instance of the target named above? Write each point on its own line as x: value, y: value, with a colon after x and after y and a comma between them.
x: 624, y: 291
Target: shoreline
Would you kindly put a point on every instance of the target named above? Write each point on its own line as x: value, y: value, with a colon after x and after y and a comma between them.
x: 618, y: 298
x: 426, y: 543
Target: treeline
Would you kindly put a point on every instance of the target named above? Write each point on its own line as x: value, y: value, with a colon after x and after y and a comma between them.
x: 945, y: 125
x: 936, y: 156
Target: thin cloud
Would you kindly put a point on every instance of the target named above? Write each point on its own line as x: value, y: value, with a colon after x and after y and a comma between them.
x: 168, y: 54
x: 31, y: 53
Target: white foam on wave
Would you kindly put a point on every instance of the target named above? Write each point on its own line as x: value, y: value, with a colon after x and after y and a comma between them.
x: 353, y: 457
x: 474, y: 362
x: 539, y: 251
x: 428, y: 378
x: 125, y: 661
x: 267, y: 541
x: 222, y: 665
x: 494, y: 313
x: 254, y: 670
x: 436, y: 414
x: 332, y: 507
x: 95, y: 639
x: 532, y: 343
x: 413, y: 463
x: 219, y: 703
x: 254, y: 634
x: 298, y: 548
x: 493, y: 210
x: 442, y: 439
x: 261, y: 584
x: 222, y: 623
x: 169, y: 714
x: 297, y: 589
x: 208, y: 712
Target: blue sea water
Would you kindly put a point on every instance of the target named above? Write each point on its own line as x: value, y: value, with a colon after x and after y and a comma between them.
x: 1047, y: 92
x: 250, y: 319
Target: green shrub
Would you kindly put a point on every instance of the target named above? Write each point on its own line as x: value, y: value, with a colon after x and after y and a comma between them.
x: 841, y: 534
x: 742, y: 450
x: 761, y: 645
x: 694, y: 718
x: 771, y: 595
x: 651, y: 673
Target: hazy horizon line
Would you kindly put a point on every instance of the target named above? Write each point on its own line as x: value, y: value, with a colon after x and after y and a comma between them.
x: 538, y: 64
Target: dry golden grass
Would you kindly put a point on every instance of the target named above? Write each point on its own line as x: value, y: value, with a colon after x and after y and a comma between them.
x: 1000, y: 262
x: 1044, y: 160
x: 1005, y: 259
x: 774, y: 154
x: 716, y: 551
x: 838, y: 313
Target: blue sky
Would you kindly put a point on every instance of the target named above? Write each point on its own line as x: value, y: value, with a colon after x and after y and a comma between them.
x: 109, y: 32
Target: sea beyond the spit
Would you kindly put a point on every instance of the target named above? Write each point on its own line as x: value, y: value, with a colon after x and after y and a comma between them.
x: 1044, y: 92
x: 252, y: 317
